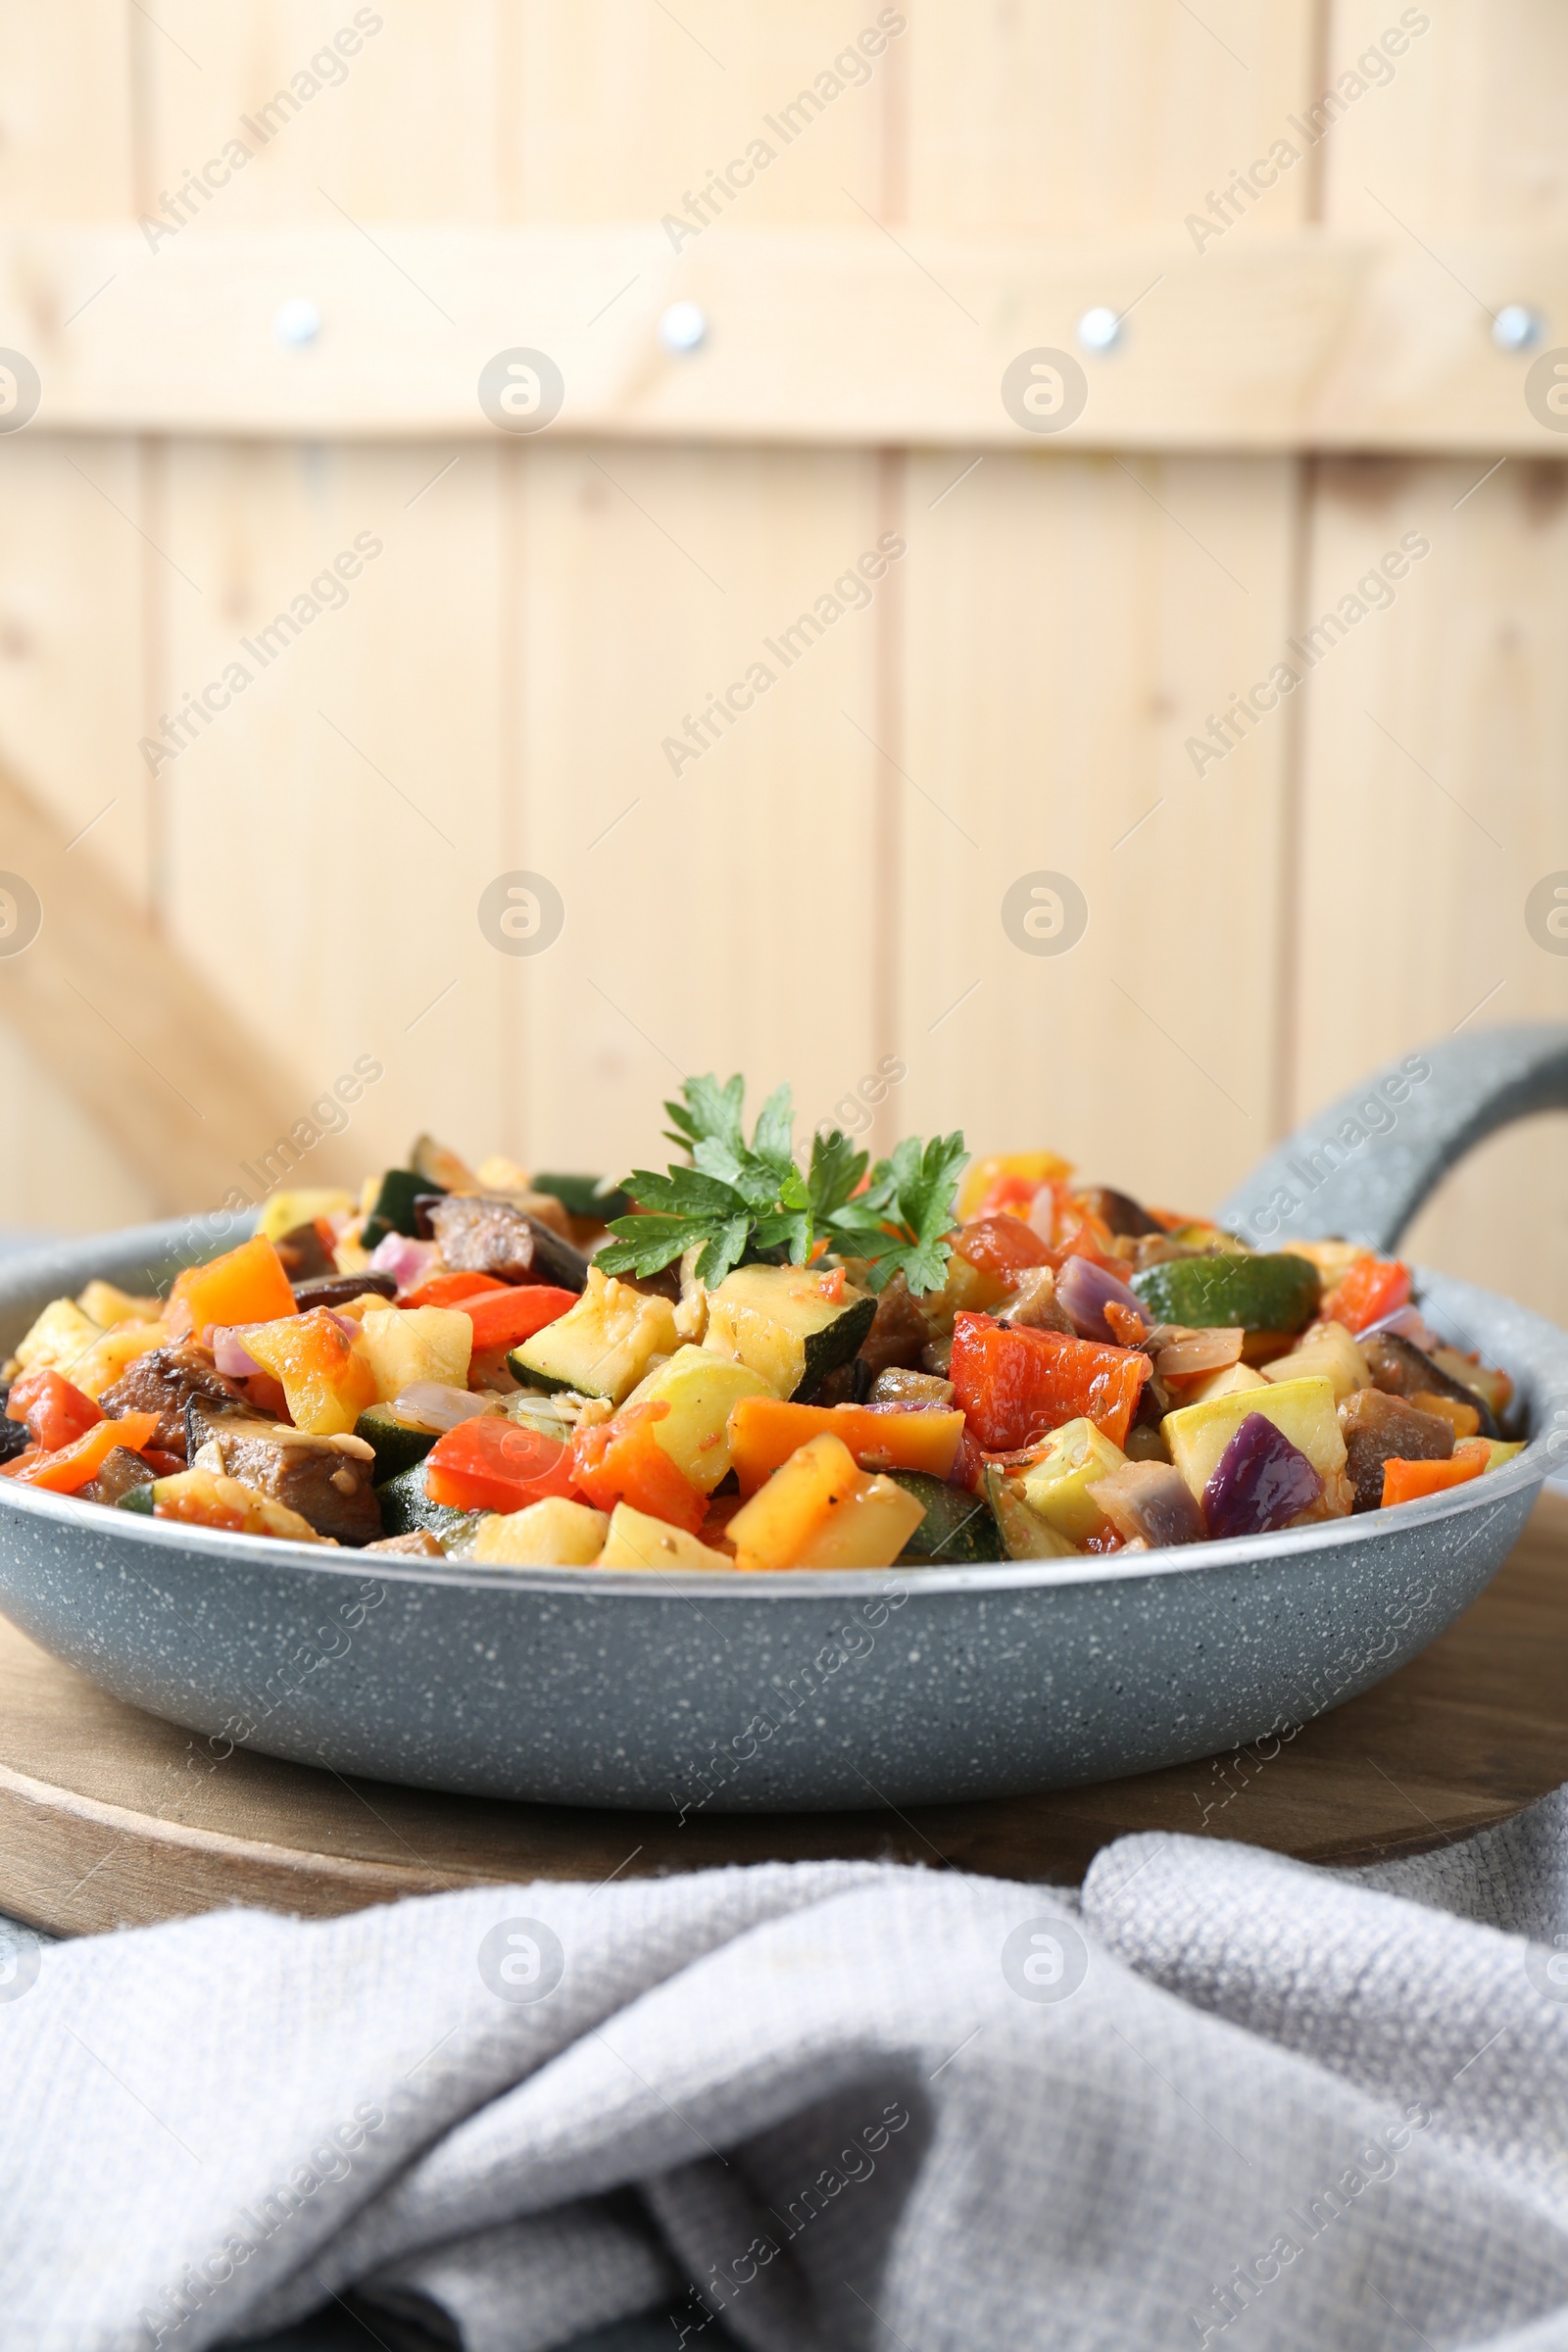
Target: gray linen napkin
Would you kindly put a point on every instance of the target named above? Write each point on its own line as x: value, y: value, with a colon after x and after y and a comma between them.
x: 1225, y: 2098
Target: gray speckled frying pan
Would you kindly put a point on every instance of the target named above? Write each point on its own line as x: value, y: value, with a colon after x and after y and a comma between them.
x: 808, y: 1689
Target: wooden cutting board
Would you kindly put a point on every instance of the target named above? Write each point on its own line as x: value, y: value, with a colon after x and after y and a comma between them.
x: 109, y: 1816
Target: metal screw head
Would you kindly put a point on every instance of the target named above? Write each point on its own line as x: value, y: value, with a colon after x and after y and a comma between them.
x: 683, y: 327
x: 1099, y: 329
x: 1516, y: 328
x: 296, y: 323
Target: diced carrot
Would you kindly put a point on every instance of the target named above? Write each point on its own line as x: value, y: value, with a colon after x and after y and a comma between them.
x: 505, y: 1318
x: 450, y: 1290
x: 70, y: 1469
x: 764, y: 1431
x: 1408, y: 1482
x: 1367, y: 1291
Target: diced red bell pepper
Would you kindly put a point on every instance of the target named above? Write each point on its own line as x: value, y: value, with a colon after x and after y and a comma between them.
x: 1016, y: 1385
x: 491, y: 1465
x: 54, y: 1413
x: 1001, y: 1245
x: 505, y: 1318
x: 449, y: 1290
x: 1408, y: 1482
x: 66, y: 1471
x: 621, y: 1460
x: 1367, y: 1291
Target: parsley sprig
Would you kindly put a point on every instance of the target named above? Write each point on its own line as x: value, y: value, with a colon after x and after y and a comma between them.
x: 741, y: 1199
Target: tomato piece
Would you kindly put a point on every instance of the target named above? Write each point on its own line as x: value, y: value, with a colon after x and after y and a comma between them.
x: 53, y: 1412
x: 449, y: 1290
x: 1001, y: 1245
x: 247, y: 1284
x: 1408, y: 1482
x: 491, y: 1465
x: 63, y: 1471
x: 1014, y: 1195
x: 621, y: 1460
x: 764, y: 1433
x: 1016, y: 1385
x: 505, y: 1318
x: 1367, y: 1291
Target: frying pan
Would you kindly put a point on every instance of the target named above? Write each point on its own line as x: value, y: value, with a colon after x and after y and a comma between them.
x: 809, y: 1689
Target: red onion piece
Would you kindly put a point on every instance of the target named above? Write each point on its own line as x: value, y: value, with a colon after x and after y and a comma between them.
x: 1152, y: 1500
x: 230, y: 1353
x: 1261, y: 1482
x: 407, y: 1261
x: 1084, y: 1290
x: 431, y: 1404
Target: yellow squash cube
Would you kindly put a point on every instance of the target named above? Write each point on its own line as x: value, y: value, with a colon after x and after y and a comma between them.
x: 1303, y: 1409
x: 404, y: 1343
x: 1057, y: 1487
x: 638, y: 1541
x: 700, y: 1388
x: 553, y: 1534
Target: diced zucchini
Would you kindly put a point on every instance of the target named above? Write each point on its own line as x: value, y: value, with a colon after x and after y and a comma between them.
x: 1230, y: 1383
x: 586, y: 1196
x: 1327, y: 1349
x: 1056, y: 1487
x: 700, y: 1388
x: 553, y: 1534
x: 1272, y: 1292
x: 958, y: 1528
x: 392, y: 1209
x: 1303, y: 1409
x: 638, y: 1541
x: 779, y: 1321
x: 602, y: 1345
x: 404, y: 1507
x: 285, y: 1210
x: 404, y: 1343
x: 396, y: 1447
x: 1026, y: 1536
x: 59, y: 1338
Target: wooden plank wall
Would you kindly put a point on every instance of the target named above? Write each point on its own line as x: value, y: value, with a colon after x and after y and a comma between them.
x: 822, y: 889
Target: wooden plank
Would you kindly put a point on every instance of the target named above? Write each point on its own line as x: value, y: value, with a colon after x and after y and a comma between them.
x: 331, y: 832
x: 170, y: 1078
x: 1307, y: 340
x: 1430, y: 729
x: 112, y: 1817
x: 1145, y: 1051
x: 718, y: 907
x: 65, y: 132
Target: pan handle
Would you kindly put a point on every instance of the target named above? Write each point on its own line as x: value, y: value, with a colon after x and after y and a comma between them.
x: 1362, y: 1169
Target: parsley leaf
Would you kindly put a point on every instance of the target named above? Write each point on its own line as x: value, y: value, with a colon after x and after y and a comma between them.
x: 740, y: 1199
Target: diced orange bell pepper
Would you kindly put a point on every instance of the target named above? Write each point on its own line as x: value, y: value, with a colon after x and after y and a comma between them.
x: 1367, y: 1291
x: 449, y: 1290
x: 55, y: 1412
x: 247, y: 1284
x: 620, y: 1460
x: 1408, y: 1482
x: 764, y: 1432
x: 1463, y: 1419
x: 67, y: 1471
x: 325, y: 1379
x: 492, y: 1464
x: 1016, y: 1385
x: 508, y: 1317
